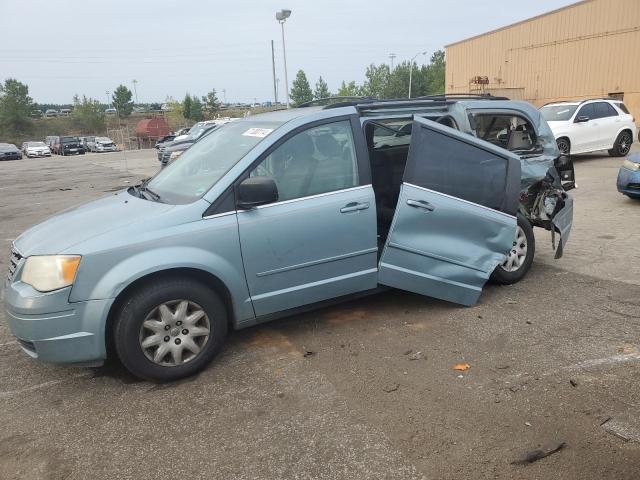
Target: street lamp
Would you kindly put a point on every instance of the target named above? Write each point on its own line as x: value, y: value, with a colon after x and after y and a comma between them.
x: 135, y: 83
x: 411, y: 68
x: 108, y: 99
x: 282, y: 16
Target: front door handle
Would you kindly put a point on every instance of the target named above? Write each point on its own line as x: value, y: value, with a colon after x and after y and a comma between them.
x: 421, y: 204
x: 354, y: 207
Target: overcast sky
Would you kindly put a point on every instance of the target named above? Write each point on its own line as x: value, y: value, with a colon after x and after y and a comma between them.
x: 60, y: 48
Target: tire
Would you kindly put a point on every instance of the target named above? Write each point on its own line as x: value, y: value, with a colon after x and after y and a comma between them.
x: 143, y: 307
x: 622, y: 145
x: 507, y: 274
x: 564, y: 145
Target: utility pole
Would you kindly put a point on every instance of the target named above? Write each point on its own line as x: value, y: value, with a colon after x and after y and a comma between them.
x: 392, y: 56
x: 273, y: 66
x: 135, y: 90
x: 224, y: 95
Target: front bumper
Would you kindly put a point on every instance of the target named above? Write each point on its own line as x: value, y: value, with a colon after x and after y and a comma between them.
x: 628, y: 182
x: 50, y: 328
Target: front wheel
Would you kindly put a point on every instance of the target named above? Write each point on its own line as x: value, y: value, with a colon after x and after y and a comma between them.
x: 170, y: 329
x: 520, y: 257
x: 564, y: 145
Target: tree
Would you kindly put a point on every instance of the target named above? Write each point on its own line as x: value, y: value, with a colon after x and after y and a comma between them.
x: 377, y: 81
x: 300, y: 89
x: 349, y: 89
x: 196, y: 110
x: 122, y: 101
x: 88, y: 114
x: 186, y: 106
x: 15, y: 107
x: 435, y: 73
x: 398, y: 86
x: 322, y: 89
x: 211, y: 103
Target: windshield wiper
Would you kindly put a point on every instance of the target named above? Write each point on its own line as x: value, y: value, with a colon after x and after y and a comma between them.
x: 145, y: 192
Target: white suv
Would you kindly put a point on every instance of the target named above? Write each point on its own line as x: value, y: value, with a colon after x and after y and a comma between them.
x: 591, y: 125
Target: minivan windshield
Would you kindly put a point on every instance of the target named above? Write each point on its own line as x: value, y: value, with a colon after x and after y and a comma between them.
x: 205, y: 163
x: 558, y: 113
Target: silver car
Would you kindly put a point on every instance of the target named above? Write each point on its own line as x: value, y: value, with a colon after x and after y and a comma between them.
x: 286, y: 211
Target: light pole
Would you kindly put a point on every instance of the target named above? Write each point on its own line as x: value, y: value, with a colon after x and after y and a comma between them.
x: 135, y: 90
x: 411, y: 68
x: 282, y: 16
x: 108, y: 99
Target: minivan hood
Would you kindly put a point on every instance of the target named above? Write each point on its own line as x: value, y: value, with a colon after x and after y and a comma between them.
x: 78, y: 224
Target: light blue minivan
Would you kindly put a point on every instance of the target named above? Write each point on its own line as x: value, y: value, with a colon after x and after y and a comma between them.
x: 286, y: 211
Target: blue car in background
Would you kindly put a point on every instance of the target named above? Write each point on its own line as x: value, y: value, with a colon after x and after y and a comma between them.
x: 629, y: 177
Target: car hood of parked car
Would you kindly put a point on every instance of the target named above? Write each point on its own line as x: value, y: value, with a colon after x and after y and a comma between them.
x: 76, y: 225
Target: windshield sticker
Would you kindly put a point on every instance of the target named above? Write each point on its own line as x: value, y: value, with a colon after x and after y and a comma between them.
x: 258, y: 132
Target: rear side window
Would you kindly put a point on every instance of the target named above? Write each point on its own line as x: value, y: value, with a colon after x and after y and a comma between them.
x: 506, y: 131
x: 451, y: 166
x: 623, y: 107
x: 603, y: 110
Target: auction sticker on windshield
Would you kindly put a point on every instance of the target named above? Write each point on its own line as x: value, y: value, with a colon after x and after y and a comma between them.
x: 258, y: 132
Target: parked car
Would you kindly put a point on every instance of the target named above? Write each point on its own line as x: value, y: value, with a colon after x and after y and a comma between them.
x: 591, y: 125
x: 103, y: 144
x: 110, y: 111
x: 50, y: 141
x: 629, y: 177
x: 8, y: 151
x: 172, y: 150
x: 50, y: 112
x: 68, y: 145
x: 36, y: 149
x: 65, y: 112
x: 286, y: 211
x: 165, y: 139
x: 36, y: 113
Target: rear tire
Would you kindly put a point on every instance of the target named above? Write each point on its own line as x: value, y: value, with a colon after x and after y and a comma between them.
x: 622, y: 145
x: 564, y: 145
x: 170, y: 329
x: 520, y: 256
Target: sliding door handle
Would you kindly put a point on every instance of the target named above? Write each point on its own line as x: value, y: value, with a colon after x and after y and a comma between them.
x: 421, y: 204
x: 354, y: 207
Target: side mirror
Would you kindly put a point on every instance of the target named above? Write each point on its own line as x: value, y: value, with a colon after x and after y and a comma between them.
x: 582, y: 119
x: 256, y: 191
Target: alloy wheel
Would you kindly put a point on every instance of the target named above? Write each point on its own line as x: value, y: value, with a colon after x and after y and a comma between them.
x: 518, y: 253
x: 625, y: 144
x: 174, y: 333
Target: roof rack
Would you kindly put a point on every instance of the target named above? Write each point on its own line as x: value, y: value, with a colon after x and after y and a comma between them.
x: 580, y: 102
x: 462, y: 96
x: 335, y: 102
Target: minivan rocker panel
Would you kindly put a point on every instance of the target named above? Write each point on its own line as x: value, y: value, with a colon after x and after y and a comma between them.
x: 165, y: 266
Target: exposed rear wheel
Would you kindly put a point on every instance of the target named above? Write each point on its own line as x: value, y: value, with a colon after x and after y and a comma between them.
x: 520, y: 257
x: 622, y: 145
x: 170, y: 329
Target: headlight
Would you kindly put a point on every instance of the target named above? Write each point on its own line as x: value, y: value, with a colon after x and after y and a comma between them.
x: 175, y: 155
x: 631, y: 165
x: 50, y: 272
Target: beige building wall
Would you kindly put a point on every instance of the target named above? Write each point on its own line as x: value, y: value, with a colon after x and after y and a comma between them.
x: 588, y: 49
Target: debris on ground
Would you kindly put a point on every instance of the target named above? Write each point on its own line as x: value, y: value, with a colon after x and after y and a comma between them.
x: 573, y: 382
x: 629, y: 431
x: 308, y: 353
x: 511, y: 302
x: 392, y: 387
x: 528, y: 424
x: 535, y: 455
x: 64, y: 189
x: 416, y: 356
x: 528, y: 322
x: 462, y: 367
x: 408, y: 352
